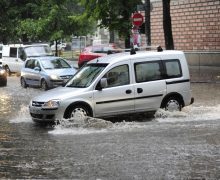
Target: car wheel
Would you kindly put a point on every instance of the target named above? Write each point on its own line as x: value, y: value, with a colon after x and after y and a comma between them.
x: 78, y: 113
x: 172, y: 104
x: 44, y: 85
x: 8, y: 71
x: 23, y: 83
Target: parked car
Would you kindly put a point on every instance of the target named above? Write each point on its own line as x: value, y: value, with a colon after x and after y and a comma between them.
x: 119, y: 84
x: 60, y: 46
x: 91, y: 52
x: 3, y: 76
x: 46, y: 72
x: 14, y: 55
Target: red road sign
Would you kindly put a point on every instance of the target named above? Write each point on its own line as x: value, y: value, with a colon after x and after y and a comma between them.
x: 137, y: 19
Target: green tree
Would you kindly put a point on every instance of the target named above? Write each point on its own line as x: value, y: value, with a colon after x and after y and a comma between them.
x: 9, y: 18
x: 114, y: 15
x: 42, y: 20
x: 52, y: 20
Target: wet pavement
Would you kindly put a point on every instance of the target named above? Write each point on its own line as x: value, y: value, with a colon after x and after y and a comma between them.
x: 179, y: 145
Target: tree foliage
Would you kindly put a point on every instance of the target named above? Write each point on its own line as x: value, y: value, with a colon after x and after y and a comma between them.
x: 114, y: 15
x: 42, y: 20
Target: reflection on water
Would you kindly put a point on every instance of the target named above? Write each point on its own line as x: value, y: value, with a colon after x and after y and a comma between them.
x: 5, y: 104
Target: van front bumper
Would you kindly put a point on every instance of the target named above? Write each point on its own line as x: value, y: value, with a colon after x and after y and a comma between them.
x: 41, y: 115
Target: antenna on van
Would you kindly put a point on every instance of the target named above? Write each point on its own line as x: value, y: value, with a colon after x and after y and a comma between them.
x: 132, y: 51
x: 159, y: 49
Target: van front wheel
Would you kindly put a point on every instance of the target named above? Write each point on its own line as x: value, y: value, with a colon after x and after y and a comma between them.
x: 172, y: 104
x: 78, y: 113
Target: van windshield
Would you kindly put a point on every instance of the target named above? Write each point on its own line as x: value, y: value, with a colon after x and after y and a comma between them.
x: 35, y: 51
x: 86, y: 75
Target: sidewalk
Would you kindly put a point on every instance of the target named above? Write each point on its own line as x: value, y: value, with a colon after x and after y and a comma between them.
x: 204, y: 74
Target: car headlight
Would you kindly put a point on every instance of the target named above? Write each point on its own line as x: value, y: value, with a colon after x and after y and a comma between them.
x: 2, y: 71
x: 52, y: 104
x: 55, y: 77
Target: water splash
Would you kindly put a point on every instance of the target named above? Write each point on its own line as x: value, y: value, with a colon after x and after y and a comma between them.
x: 189, y: 113
x: 93, y: 125
x: 22, y: 116
x: 85, y: 125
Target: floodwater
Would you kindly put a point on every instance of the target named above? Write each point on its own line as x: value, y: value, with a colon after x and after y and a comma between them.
x: 178, y: 145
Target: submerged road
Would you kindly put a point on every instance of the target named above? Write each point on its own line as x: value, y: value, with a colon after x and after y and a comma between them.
x: 179, y: 145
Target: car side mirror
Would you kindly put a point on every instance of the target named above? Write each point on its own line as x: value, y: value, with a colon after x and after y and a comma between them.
x: 37, y: 69
x: 102, y: 84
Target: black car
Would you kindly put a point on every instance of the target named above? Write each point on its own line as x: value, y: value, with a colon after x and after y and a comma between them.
x: 3, y: 76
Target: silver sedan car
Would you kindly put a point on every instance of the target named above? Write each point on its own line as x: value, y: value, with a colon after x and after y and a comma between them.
x: 46, y: 72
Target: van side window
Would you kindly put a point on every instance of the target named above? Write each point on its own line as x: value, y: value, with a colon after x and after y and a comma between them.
x: 173, y: 68
x: 148, y: 71
x: 13, y: 52
x: 118, y: 76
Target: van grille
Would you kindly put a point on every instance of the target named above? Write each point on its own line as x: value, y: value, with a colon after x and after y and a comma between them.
x: 66, y: 77
x: 37, y: 104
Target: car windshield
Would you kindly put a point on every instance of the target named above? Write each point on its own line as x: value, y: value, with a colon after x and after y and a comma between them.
x: 41, y: 50
x: 86, y: 75
x: 54, y: 64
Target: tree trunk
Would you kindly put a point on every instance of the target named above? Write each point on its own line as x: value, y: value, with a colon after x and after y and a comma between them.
x: 112, y: 36
x: 147, y: 22
x: 167, y: 26
x: 56, y: 48
x: 127, y: 41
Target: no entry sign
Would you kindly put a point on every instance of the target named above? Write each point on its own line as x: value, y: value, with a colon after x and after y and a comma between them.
x: 137, y: 19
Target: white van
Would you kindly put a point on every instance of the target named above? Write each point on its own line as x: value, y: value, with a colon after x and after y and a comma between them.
x: 14, y: 55
x: 118, y: 84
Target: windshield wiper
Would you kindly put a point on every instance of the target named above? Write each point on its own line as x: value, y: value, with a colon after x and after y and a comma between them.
x: 74, y: 86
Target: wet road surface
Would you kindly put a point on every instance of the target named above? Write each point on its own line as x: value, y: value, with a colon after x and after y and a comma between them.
x: 183, y: 145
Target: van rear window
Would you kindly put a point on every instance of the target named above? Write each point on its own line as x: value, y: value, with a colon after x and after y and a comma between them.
x: 148, y: 71
x: 173, y: 68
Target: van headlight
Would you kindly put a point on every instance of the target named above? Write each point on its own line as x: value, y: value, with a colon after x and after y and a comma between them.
x: 52, y: 104
x: 55, y: 77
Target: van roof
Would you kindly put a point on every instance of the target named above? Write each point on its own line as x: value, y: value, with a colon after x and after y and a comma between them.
x: 113, y: 58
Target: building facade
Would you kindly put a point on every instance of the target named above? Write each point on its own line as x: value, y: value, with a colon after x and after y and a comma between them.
x: 195, y: 24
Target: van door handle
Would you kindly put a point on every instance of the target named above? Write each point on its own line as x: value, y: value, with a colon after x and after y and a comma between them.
x: 139, y: 90
x: 128, y: 91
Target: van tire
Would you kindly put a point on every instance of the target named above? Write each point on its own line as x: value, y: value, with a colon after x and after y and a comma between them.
x: 172, y: 103
x: 44, y: 85
x: 8, y: 70
x: 23, y: 83
x: 79, y: 112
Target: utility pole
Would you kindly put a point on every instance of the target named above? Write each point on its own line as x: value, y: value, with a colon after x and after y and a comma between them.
x: 147, y: 10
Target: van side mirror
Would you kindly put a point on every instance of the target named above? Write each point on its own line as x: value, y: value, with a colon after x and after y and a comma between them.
x: 102, y: 84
